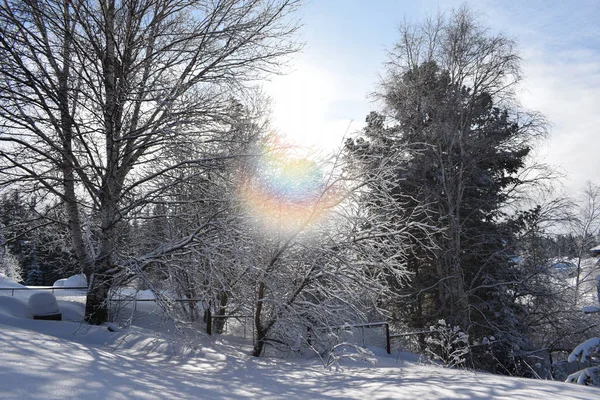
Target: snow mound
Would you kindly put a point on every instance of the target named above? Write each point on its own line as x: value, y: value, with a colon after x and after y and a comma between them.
x: 43, y: 304
x: 76, y: 281
x: 60, y: 282
x: 14, y: 307
x: 8, y: 283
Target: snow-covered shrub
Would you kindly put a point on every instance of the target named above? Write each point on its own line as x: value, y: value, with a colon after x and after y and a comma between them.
x: 447, y: 344
x: 586, y: 376
x: 587, y: 353
x: 43, y: 304
x: 348, y: 351
x: 6, y: 282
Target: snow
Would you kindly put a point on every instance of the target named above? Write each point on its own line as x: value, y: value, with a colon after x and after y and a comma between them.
x: 60, y: 283
x: 123, y: 293
x: 6, y: 283
x: 130, y: 293
x: 585, y: 375
x: 70, y: 360
x: 76, y: 281
x: 43, y: 303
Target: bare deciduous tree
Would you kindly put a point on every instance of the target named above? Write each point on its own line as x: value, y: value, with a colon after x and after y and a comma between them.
x: 585, y: 226
x: 92, y: 92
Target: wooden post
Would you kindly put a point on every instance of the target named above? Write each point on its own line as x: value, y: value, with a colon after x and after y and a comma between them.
x: 208, y: 322
x: 388, y: 348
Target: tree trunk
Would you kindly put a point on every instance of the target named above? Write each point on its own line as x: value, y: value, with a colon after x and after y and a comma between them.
x: 261, y: 332
x: 220, y: 322
x: 96, y: 307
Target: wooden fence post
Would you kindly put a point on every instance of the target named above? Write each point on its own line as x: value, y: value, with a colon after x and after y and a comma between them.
x: 208, y: 322
x: 388, y: 348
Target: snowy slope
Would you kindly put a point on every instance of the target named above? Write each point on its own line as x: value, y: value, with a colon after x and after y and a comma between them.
x: 68, y: 360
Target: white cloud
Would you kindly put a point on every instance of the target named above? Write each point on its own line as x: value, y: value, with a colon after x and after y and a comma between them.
x: 566, y: 89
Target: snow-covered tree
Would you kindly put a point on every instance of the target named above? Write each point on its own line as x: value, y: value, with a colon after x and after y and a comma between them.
x: 447, y: 344
x: 449, y: 111
x: 9, y: 265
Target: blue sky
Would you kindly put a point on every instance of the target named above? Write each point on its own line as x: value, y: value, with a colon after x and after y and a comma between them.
x: 326, y: 93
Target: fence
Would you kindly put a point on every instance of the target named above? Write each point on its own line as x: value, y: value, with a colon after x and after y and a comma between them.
x: 144, y: 311
x: 362, y: 334
x: 72, y: 294
x: 133, y: 308
x: 72, y: 299
x: 77, y: 291
x: 239, y: 327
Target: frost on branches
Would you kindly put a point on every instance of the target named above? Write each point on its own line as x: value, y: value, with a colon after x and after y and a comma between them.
x: 448, y: 344
x: 9, y: 266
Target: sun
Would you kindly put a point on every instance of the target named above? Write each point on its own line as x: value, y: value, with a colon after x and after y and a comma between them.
x: 302, y: 104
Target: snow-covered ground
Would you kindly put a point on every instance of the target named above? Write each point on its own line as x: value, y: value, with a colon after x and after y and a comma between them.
x: 70, y: 360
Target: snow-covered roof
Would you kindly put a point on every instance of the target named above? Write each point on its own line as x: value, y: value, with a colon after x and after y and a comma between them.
x: 597, y: 248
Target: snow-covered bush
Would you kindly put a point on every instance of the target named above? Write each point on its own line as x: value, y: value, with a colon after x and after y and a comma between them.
x: 447, y: 344
x: 6, y: 282
x: 348, y: 351
x: 587, y: 353
x: 586, y: 376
